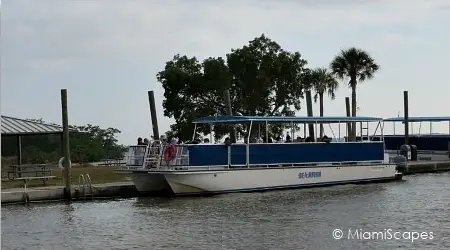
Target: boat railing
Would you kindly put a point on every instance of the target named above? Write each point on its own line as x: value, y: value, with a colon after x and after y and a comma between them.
x: 135, y: 156
x: 153, y: 154
x: 181, y: 156
x: 182, y: 159
x: 144, y: 156
x: 278, y: 165
x: 153, y: 157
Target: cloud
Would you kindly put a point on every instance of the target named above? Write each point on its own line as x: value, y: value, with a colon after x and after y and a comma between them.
x: 57, y: 33
x: 394, y: 39
x: 87, y: 45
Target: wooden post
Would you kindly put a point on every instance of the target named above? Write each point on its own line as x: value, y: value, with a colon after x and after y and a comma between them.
x: 66, y: 162
x: 349, y: 125
x: 227, y: 100
x: 406, y: 116
x: 309, y: 110
x: 151, y: 100
x: 19, y: 150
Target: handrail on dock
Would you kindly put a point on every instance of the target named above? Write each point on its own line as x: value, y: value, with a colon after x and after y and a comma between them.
x: 83, y: 181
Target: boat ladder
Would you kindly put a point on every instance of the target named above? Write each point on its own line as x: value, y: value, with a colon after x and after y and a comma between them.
x: 85, y: 182
x: 153, y: 154
x: 365, y: 131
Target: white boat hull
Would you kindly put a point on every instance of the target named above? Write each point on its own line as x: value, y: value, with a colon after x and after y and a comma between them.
x: 148, y: 182
x: 256, y: 179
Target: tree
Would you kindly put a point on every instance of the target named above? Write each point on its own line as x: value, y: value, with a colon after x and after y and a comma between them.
x: 323, y: 81
x: 262, y: 79
x: 89, y: 144
x: 357, y: 66
x: 93, y: 143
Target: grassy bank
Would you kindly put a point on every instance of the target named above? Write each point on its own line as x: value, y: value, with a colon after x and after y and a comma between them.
x: 98, y: 174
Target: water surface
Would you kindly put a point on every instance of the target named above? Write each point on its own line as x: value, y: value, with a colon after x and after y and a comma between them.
x: 294, y: 219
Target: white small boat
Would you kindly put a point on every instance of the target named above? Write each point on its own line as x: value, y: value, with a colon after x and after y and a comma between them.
x: 196, y: 169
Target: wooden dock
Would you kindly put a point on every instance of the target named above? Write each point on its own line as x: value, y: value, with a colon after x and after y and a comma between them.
x: 127, y: 189
x: 107, y: 190
x: 416, y: 167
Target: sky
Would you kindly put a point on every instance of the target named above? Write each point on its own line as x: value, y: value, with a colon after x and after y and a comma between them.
x: 106, y: 53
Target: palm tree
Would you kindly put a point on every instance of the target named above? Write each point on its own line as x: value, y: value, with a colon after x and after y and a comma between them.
x: 357, y: 65
x: 323, y: 81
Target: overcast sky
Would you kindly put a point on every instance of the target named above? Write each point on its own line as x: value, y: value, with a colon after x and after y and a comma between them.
x: 107, y: 53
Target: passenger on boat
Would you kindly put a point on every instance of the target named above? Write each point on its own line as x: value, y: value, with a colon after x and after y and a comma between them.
x: 288, y: 138
x: 206, y: 140
x: 309, y: 139
x: 299, y: 139
x: 139, y: 141
x: 227, y: 141
x: 326, y: 139
x: 279, y: 140
x: 145, y: 141
x: 172, y: 141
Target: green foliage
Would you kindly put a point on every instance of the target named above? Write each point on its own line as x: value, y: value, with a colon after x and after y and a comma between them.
x: 357, y: 65
x: 323, y: 81
x: 90, y: 144
x: 262, y: 78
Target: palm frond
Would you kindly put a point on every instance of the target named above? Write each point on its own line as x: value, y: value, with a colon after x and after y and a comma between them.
x: 355, y: 64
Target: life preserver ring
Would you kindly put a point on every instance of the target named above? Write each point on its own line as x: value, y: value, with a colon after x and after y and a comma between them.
x: 170, y: 153
x: 60, y: 163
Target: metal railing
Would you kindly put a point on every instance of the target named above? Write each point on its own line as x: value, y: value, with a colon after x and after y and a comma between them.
x: 153, y: 158
x: 84, y: 181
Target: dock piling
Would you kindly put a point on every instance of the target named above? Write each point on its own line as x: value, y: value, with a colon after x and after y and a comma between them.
x: 406, y: 116
x: 151, y: 100
x: 227, y: 100
x: 66, y: 145
x: 309, y: 110
x: 349, y: 125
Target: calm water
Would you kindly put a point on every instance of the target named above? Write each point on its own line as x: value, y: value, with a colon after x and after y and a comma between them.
x: 295, y: 219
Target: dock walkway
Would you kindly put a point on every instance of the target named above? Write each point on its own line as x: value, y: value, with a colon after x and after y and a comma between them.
x: 416, y: 167
x: 115, y: 189
x: 127, y: 189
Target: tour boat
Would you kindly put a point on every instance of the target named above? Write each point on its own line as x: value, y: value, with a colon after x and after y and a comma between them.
x: 430, y: 146
x: 215, y: 168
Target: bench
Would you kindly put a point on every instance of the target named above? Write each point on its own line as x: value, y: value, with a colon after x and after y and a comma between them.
x: 19, y: 171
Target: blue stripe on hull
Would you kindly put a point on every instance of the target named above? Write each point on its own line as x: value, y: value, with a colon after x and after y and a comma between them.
x: 319, y: 184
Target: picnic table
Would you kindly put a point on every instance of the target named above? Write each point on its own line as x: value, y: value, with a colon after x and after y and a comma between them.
x: 30, y: 171
x: 112, y: 162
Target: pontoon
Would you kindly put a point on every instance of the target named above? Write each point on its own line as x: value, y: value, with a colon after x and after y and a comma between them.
x: 430, y: 146
x: 213, y: 168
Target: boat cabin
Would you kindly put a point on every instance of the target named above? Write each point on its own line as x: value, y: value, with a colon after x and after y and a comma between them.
x: 258, y: 152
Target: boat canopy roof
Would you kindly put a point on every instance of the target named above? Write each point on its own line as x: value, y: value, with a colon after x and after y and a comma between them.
x: 284, y: 119
x: 420, y: 119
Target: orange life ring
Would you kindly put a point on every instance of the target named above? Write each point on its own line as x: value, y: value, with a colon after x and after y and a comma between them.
x: 170, y: 153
